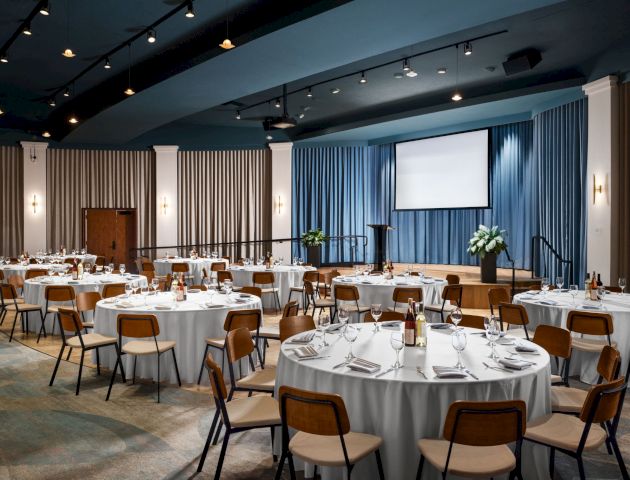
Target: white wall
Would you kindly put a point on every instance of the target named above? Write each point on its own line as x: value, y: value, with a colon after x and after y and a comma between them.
x: 602, y: 154
x: 165, y: 189
x: 281, y: 193
x: 34, y: 158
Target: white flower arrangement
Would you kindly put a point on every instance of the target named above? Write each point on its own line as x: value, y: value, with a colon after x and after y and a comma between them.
x: 487, y: 240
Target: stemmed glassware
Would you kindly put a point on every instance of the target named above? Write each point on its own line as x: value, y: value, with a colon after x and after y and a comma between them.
x: 559, y: 282
x: 128, y: 289
x: 227, y: 287
x: 136, y: 286
x: 376, y: 312
x: 112, y: 267
x: 344, y: 315
x: 350, y: 334
x: 155, y: 283
x: 544, y: 285
x: 144, y: 291
x: 493, y: 333
x: 122, y: 268
x: 459, y: 340
x: 601, y: 292
x: 456, y: 317
x: 323, y: 322
x: 396, y: 340
x: 622, y: 284
x: 573, y: 290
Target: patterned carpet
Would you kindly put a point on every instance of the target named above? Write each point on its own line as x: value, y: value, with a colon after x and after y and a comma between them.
x: 49, y: 433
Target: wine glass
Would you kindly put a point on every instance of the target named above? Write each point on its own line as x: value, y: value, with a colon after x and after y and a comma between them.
x: 350, y: 334
x: 112, y: 267
x: 544, y: 285
x: 323, y: 322
x: 396, y: 340
x: 122, y: 268
x: 601, y: 293
x: 344, y: 315
x: 622, y: 284
x: 136, y: 286
x: 493, y: 333
x: 128, y: 289
x: 155, y: 283
x: 573, y: 290
x: 144, y: 291
x: 227, y: 286
x: 376, y: 312
x: 458, y: 339
x: 456, y: 317
x: 559, y: 282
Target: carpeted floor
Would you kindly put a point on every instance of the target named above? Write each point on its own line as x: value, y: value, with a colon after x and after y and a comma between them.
x: 49, y: 433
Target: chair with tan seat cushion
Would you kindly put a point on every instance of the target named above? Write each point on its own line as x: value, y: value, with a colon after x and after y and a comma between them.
x: 557, y: 342
x: 272, y: 332
x: 57, y: 294
x: 35, y: 272
x: 575, y: 435
x: 294, y: 325
x: 315, y: 301
x: 240, y: 344
x: 313, y: 277
x: 323, y: 436
x: 237, y: 415
x: 452, y: 279
x: 11, y: 302
x: 403, y: 294
x: 223, y: 275
x: 516, y: 315
x: 69, y: 321
x: 267, y: 283
x: 476, y: 437
x: 596, y: 324
x: 497, y: 296
x: 571, y: 400
x: 141, y: 326
x: 451, y: 294
x: 349, y: 295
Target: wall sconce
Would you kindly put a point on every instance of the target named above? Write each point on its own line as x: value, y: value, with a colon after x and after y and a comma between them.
x: 277, y: 205
x: 598, y: 188
x: 163, y: 206
x: 34, y: 204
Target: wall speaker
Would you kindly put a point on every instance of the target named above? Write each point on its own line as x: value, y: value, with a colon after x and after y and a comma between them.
x: 522, y: 61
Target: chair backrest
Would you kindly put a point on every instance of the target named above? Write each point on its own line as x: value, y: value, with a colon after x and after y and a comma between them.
x: 485, y: 423
x: 8, y: 292
x: 290, y: 309
x: 179, y: 267
x: 59, y: 293
x: 385, y: 317
x: 452, y: 279
x: 496, y: 296
x: 308, y: 287
x: 35, y: 272
x: 470, y: 321
x: 452, y: 293
x: 513, y: 314
x: 609, y: 363
x: 227, y: 258
x: 32, y: 261
x: 313, y: 412
x: 223, y: 275
x: 346, y: 293
x: 602, y: 401
x: 249, y: 319
x: 590, y: 323
x: 16, y: 280
x: 613, y: 289
x: 290, y: 326
x: 401, y: 294
x: 311, y: 276
x: 148, y: 267
x: 218, y: 266
x: 1, y: 275
x: 556, y: 340
x: 100, y: 260
x: 70, y: 321
x: 137, y: 325
x: 256, y: 291
x: 329, y: 276
x: 149, y: 274
x: 69, y: 260
x: 86, y: 301
x: 239, y: 344
x: 203, y: 288
x: 113, y: 290
x: 219, y: 391
x: 263, y: 278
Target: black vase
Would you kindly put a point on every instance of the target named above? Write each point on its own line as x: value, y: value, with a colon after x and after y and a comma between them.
x: 314, y: 256
x: 489, y: 268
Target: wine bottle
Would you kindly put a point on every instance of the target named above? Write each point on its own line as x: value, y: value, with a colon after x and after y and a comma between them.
x: 421, y: 327
x: 180, y: 289
x: 599, y: 280
x: 410, y: 326
x: 587, y: 286
x: 594, y: 286
x: 75, y: 270
x: 80, y: 270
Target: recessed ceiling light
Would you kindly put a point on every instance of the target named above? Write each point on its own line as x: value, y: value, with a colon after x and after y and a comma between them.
x: 73, y: 120
x: 441, y: 70
x: 52, y: 102
x: 107, y: 64
x: 398, y: 75
x: 363, y: 79
x: 68, y: 53
x: 46, y: 134
x: 309, y: 93
x: 4, y: 58
x: 129, y: 91
x: 467, y: 48
x: 66, y: 92
x: 456, y: 97
x: 27, y: 30
x: 45, y: 9
x: 335, y: 90
x: 190, y: 11
x: 277, y: 104
x: 151, y: 37
x: 227, y: 44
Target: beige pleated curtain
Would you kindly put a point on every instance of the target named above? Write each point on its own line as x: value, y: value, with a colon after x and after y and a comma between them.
x: 78, y: 179
x: 225, y: 196
x: 620, y: 182
x: 11, y: 200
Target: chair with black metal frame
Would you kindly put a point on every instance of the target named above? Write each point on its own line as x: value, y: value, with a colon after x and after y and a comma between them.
x: 497, y: 296
x: 250, y: 319
x: 512, y: 314
x: 325, y: 283
x: 86, y: 302
x: 223, y: 275
x: 573, y: 435
x: 10, y: 303
x: 236, y: 415
x: 141, y: 326
x: 267, y: 278
x: 476, y: 437
x: 317, y: 302
x: 294, y: 325
x: 557, y: 342
x: 181, y: 268
x: 69, y: 321
x: 349, y: 294
x: 451, y: 294
x: 594, y: 324
x: 313, y: 277
x: 323, y: 437
x: 35, y: 272
x: 18, y: 282
x: 272, y: 332
x: 403, y: 294
x: 452, y: 279
x: 613, y: 289
x: 58, y: 294
x: 113, y: 290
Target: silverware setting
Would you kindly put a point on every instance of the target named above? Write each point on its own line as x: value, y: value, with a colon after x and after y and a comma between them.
x: 471, y: 374
x: 421, y: 372
x: 384, y: 372
x: 312, y: 358
x: 500, y: 369
x: 345, y: 362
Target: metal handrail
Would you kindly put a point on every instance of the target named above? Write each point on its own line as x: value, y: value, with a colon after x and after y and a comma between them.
x: 511, y: 260
x: 536, y: 240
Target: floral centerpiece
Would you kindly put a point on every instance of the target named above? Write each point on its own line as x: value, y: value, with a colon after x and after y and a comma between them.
x: 487, y: 243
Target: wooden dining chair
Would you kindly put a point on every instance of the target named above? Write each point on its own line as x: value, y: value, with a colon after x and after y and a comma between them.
x: 218, y: 266
x: 250, y: 319
x: 403, y: 294
x: 272, y: 332
x: 475, y: 440
x: 311, y: 276
x: 613, y: 289
x: 315, y: 301
x: 180, y: 267
x: 349, y: 295
x: 12, y: 303
x: 35, y: 272
x: 451, y: 294
x: 469, y: 321
x: 100, y: 261
x: 141, y: 326
x: 236, y: 415
x: 512, y: 314
x: 294, y: 325
x: 113, y: 290
x: 573, y: 435
x: 323, y: 436
x: 240, y: 344
x: 385, y: 317
x: 17, y: 281
x: 452, y: 279
x: 223, y: 275
x: 267, y: 282
x: 325, y: 286
x: 69, y: 321
x: 557, y: 342
x: 570, y: 400
x: 598, y: 324
x: 497, y: 296
x: 56, y: 294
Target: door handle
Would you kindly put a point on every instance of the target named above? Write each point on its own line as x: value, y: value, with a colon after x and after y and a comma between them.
x: 113, y: 244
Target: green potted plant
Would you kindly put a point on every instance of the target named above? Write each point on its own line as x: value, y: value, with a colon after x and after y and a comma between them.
x: 313, y: 240
x: 487, y: 243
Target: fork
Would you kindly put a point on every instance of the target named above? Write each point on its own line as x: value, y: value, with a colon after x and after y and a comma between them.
x: 500, y: 369
x: 421, y: 372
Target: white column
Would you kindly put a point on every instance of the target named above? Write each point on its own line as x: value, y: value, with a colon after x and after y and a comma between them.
x: 166, y: 195
x: 281, y: 197
x: 34, y: 158
x: 603, y: 125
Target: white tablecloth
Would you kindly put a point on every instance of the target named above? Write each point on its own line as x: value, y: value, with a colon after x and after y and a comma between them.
x: 402, y: 406
x: 20, y: 270
x: 188, y: 324
x: 34, y: 291
x: 164, y: 266
x: 287, y: 276
x: 583, y: 364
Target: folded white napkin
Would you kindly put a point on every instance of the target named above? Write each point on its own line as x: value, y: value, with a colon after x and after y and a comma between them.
x: 164, y: 307
x: 391, y: 324
x: 124, y: 305
x: 439, y: 326
x: 590, y: 307
x: 361, y: 365
x: 305, y: 352
x: 303, y: 338
x: 428, y: 281
x: 525, y: 347
x: 547, y: 302
x: 449, y: 372
x: 334, y: 327
x: 514, y: 363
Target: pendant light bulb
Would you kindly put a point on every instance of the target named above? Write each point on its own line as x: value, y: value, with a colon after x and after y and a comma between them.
x: 45, y: 9
x: 1, y: 111
x: 226, y: 44
x: 27, y: 30
x: 456, y: 97
x: 107, y: 65
x: 190, y: 11
x: 73, y: 120
x: 151, y: 36
x: 363, y: 79
x: 129, y: 91
x: 269, y: 137
x: 46, y: 134
x: 68, y: 53
x: 406, y: 66
x: 277, y: 104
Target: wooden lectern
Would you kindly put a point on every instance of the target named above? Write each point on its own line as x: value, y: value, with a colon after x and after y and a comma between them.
x: 380, y: 245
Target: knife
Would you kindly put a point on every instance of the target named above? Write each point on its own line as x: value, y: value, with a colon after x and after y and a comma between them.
x: 471, y: 374
x: 383, y: 373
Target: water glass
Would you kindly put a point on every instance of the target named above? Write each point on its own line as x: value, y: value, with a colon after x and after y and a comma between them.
x: 376, y: 312
x: 344, y: 315
x: 456, y: 317
x: 323, y: 322
x: 136, y: 286
x: 601, y: 292
x: 573, y: 290
x: 559, y: 282
x: 227, y: 287
x: 122, y: 268
x: 396, y: 340
x: 622, y: 284
x: 128, y: 289
x: 350, y: 334
x: 144, y: 291
x: 544, y: 284
x: 459, y: 340
x: 155, y: 283
x: 493, y: 333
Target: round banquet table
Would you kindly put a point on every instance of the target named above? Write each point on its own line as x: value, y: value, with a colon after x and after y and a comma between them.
x: 553, y: 308
x: 35, y: 288
x: 188, y: 323
x: 86, y: 258
x: 402, y: 406
x: 376, y: 289
x: 287, y: 276
x: 163, y: 266
x: 20, y: 270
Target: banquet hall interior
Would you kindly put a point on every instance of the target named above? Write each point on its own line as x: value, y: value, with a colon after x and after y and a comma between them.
x: 314, y: 239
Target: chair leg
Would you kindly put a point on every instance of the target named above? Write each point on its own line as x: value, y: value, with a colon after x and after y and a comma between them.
x: 217, y: 433
x: 179, y: 381
x: 98, y: 361
x: 420, y: 467
x: 80, y: 371
x: 202, y: 459
x: 111, y: 382
x: 3, y: 314
x: 13, y: 328
x: 158, y: 377
x: 217, y: 475
x: 291, y: 466
x: 620, y: 461
x: 283, y: 457
x: 203, y: 362
x: 273, y: 432
x: 379, y: 464
x: 122, y: 369
x: 69, y: 352
x: 278, y: 302
x: 552, y: 457
x: 580, y: 463
x: 133, y: 378
x: 54, y: 374
x: 42, y: 328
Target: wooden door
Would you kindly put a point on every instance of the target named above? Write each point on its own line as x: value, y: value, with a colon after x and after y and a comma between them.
x: 111, y: 232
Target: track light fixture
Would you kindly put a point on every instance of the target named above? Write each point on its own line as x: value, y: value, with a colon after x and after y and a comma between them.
x: 27, y: 29
x: 467, y: 48
x: 441, y: 70
x: 335, y: 90
x: 45, y: 9
x: 309, y: 93
x: 406, y: 66
x: 107, y: 65
x: 457, y: 96
x: 301, y: 115
x: 411, y: 73
x: 363, y: 79
x: 238, y: 115
x: 151, y: 36
x: 52, y: 102
x: 277, y: 104
x: 73, y: 120
x: 269, y: 137
x: 46, y: 134
x: 4, y: 58
x: 190, y: 10
x: 1, y: 111
x: 66, y: 92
